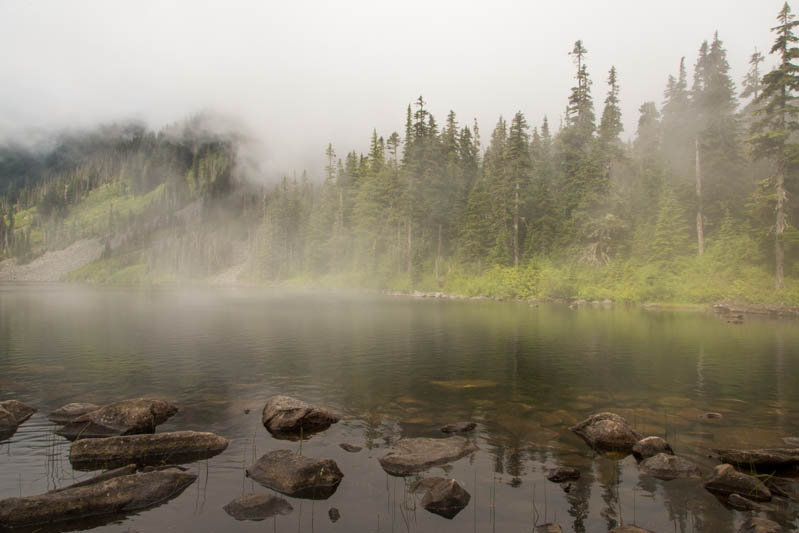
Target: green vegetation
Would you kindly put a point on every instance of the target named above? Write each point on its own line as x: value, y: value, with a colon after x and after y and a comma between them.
x: 685, y: 212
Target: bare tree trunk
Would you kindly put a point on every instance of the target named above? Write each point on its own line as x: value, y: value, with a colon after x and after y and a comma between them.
x: 779, y: 229
x: 700, y: 230
x: 516, y: 227
x: 438, y: 252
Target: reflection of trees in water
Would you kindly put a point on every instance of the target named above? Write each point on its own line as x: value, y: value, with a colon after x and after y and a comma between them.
x: 609, y: 477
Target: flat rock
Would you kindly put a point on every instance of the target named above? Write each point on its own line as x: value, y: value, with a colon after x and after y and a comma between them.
x: 651, y: 446
x: 756, y: 524
x: 563, y: 473
x: 18, y: 410
x: 763, y: 457
x: 289, y: 418
x: 741, y: 503
x: 666, y: 467
x: 295, y: 475
x: 121, y: 494
x: 161, y: 448
x: 409, y: 456
x: 350, y: 447
x: 446, y: 498
x: 607, y: 432
x: 69, y: 412
x: 257, y: 507
x: 128, y: 417
x: 459, y: 427
x: 726, y: 480
x: 548, y: 528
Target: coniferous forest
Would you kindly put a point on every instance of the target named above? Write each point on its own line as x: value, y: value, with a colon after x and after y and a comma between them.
x: 698, y: 204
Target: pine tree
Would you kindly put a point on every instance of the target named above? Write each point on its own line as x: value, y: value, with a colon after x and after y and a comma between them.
x: 777, y: 119
x: 753, y: 84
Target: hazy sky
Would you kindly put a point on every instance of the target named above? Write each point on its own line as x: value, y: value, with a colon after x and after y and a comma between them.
x: 302, y: 73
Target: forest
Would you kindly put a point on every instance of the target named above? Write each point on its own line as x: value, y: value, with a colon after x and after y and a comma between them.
x: 699, y: 205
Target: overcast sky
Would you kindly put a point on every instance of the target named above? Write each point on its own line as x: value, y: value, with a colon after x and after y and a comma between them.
x: 302, y: 73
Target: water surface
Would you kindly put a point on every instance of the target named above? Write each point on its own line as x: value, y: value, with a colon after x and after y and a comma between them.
x: 402, y: 367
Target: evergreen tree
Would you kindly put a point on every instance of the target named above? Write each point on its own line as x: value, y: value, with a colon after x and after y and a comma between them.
x: 777, y: 119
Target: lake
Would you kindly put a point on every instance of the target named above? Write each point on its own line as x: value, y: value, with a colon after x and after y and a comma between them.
x: 399, y: 366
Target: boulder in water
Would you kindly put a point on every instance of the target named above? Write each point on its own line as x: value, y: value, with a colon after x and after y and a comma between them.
x: 257, y: 507
x: 446, y: 498
x: 549, y: 528
x: 757, y: 524
x: 114, y: 496
x: 726, y: 480
x: 69, y: 412
x: 651, y: 446
x: 666, y: 467
x: 459, y: 427
x: 607, y: 432
x: 409, y: 456
x: 296, y: 475
x: 160, y: 448
x: 128, y: 417
x: 12, y: 414
x: 289, y: 418
x: 563, y: 473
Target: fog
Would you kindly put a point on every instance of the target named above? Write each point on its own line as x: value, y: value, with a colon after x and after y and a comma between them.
x: 301, y: 74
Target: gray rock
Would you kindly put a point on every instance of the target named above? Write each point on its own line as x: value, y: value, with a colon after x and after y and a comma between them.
x: 548, y: 528
x: 69, y: 412
x: 121, y: 494
x: 257, y: 507
x: 651, y: 446
x: 446, y: 498
x: 350, y: 447
x: 460, y: 427
x: 333, y: 514
x: 666, y: 467
x: 12, y: 414
x: 756, y: 524
x: 607, y: 432
x: 563, y: 473
x: 295, y: 475
x: 128, y: 417
x: 768, y: 458
x: 726, y: 480
x: 161, y: 448
x: 409, y: 456
x: 289, y: 418
x: 741, y: 503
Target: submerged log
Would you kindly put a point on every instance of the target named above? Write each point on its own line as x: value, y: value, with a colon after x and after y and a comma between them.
x: 409, y: 456
x: 128, y: 417
x: 162, y: 448
x: 114, y: 496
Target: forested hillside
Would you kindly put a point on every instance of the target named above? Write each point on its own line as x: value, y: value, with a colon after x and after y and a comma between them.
x: 699, y: 205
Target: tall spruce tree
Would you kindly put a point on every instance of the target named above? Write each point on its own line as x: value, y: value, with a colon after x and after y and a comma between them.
x: 777, y: 119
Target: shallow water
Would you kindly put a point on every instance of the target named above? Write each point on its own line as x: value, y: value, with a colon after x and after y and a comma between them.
x: 402, y: 367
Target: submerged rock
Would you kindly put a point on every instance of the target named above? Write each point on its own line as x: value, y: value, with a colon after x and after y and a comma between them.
x: 128, y: 417
x: 161, y: 448
x: 756, y: 524
x: 607, y: 432
x: 350, y: 447
x: 69, y: 412
x: 549, y: 528
x: 12, y: 414
x: 726, y: 480
x: 333, y: 514
x: 289, y: 418
x: 120, y: 494
x: 741, y: 503
x: 409, y: 456
x: 666, y: 467
x: 460, y: 427
x: 651, y: 446
x: 257, y: 507
x: 563, y: 473
x: 764, y: 457
x: 295, y: 475
x: 446, y: 498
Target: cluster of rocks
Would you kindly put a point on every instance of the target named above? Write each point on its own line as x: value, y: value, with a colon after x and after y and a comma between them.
x: 121, y: 438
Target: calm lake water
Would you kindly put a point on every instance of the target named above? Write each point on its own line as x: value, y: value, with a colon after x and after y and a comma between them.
x: 403, y: 367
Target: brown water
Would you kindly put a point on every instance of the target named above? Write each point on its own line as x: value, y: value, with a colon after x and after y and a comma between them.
x: 402, y: 367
